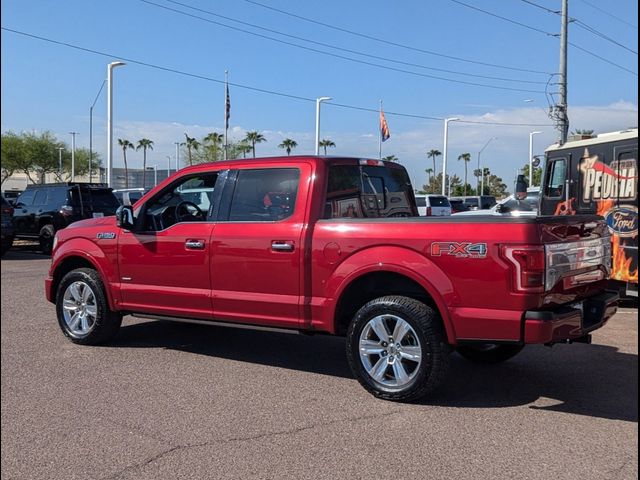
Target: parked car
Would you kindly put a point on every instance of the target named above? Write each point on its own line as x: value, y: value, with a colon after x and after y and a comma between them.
x: 527, y: 206
x: 7, y: 227
x: 478, y: 202
x: 334, y: 257
x: 458, y: 205
x: 433, y: 205
x: 129, y: 196
x: 11, y: 195
x: 41, y: 210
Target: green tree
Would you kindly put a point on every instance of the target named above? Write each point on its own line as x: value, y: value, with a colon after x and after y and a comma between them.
x: 391, y: 158
x: 252, y: 138
x: 429, y: 171
x: 288, y: 144
x: 41, y: 155
x: 324, y: 143
x: 435, y: 184
x: 242, y: 148
x: 144, y: 144
x: 192, y: 146
x: 537, y: 174
x: 213, y: 144
x: 587, y: 132
x: 466, y: 158
x: 13, y: 154
x: 125, y: 145
x: 433, y: 154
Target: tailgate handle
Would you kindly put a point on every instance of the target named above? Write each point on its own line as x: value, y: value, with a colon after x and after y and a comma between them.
x: 281, y: 246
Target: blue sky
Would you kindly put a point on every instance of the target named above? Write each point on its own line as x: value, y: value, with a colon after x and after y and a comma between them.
x: 51, y: 87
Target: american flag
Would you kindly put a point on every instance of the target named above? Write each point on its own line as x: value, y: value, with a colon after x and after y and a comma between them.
x: 384, y: 128
x: 227, y: 106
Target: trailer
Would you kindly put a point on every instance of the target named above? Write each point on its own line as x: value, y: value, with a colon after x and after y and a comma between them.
x: 599, y: 174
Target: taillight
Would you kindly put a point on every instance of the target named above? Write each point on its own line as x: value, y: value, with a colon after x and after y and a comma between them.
x: 429, y: 211
x: 528, y: 267
x: 66, y: 210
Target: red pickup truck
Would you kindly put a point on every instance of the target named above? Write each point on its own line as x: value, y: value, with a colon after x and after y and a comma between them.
x: 335, y: 246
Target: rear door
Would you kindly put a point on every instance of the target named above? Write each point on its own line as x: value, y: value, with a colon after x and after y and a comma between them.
x: 256, y: 246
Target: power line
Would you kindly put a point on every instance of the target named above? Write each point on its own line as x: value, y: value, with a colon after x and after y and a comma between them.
x: 342, y: 49
x: 322, y: 52
x: 395, y: 44
x: 582, y: 25
x: 255, y: 89
x: 610, y: 14
x: 545, y: 33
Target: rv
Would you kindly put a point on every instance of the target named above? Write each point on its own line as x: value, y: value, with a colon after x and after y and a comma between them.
x: 599, y: 175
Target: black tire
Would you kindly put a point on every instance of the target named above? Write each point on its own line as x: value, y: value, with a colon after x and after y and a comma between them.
x: 45, y: 238
x: 489, y: 352
x: 106, y: 323
x: 430, y: 337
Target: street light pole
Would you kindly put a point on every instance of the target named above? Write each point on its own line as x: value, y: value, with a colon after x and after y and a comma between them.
x: 318, y: 102
x: 177, y: 155
x: 110, y: 68
x: 60, y: 162
x: 531, y: 134
x: 155, y: 174
x: 444, y: 153
x: 91, y: 130
x: 479, y: 168
x: 168, y: 166
x: 73, y: 155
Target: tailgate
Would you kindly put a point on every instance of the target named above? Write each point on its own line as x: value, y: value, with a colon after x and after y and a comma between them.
x: 577, y: 251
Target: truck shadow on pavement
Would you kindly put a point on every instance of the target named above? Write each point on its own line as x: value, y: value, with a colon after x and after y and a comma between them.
x: 592, y: 380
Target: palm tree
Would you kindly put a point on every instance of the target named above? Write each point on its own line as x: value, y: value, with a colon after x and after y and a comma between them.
x: 391, y: 158
x: 124, y: 143
x: 466, y: 158
x: 324, y: 143
x: 243, y: 147
x: 215, y: 140
x: 288, y: 144
x: 192, y: 144
x: 429, y: 171
x: 433, y: 153
x: 253, y: 138
x: 144, y: 144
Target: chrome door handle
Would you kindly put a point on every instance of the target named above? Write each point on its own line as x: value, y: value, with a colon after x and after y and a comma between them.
x: 282, y: 246
x: 194, y: 245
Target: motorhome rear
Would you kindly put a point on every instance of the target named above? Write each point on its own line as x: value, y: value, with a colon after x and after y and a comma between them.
x: 599, y: 175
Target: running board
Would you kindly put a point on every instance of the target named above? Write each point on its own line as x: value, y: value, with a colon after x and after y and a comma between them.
x: 216, y: 323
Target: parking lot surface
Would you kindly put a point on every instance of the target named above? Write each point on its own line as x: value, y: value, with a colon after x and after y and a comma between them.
x: 182, y: 401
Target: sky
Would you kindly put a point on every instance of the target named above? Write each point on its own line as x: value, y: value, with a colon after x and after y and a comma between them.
x: 425, y: 59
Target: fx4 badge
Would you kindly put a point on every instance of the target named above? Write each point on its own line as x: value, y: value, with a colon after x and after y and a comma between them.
x: 106, y: 235
x: 459, y: 249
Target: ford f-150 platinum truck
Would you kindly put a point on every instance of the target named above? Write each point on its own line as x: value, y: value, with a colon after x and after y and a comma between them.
x: 335, y: 245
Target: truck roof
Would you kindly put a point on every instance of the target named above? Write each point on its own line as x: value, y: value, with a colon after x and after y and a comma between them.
x: 597, y: 139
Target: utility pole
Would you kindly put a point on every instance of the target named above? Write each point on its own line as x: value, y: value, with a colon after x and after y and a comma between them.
x: 561, y: 107
x: 177, y: 144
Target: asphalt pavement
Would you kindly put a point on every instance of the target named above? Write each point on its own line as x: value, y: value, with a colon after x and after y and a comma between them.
x: 179, y: 401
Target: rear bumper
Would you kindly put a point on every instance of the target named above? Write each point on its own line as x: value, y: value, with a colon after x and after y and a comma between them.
x: 569, y: 322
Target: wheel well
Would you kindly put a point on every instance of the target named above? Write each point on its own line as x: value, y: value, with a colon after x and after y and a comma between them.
x: 374, y: 285
x: 67, y: 265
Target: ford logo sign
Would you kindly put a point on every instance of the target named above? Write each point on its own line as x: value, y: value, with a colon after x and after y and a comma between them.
x: 623, y: 221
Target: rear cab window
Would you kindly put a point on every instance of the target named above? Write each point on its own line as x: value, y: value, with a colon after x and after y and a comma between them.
x: 367, y: 191
x: 439, y: 201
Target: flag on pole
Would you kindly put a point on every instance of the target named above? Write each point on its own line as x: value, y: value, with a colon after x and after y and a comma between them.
x: 227, y: 114
x: 384, y: 128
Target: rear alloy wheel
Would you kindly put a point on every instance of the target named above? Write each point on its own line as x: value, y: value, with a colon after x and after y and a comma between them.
x: 45, y: 238
x: 83, y: 310
x: 396, y: 348
x: 489, y: 352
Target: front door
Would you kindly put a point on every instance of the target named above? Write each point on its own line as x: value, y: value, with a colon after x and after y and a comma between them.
x: 257, y: 248
x: 164, y: 264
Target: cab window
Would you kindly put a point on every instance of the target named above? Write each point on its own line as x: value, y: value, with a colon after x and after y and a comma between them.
x: 556, y: 175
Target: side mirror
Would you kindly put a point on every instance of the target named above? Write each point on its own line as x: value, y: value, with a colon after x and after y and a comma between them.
x: 521, y: 188
x: 124, y: 217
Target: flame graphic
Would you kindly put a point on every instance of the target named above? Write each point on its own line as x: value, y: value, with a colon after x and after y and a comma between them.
x: 621, y: 265
x: 604, y: 206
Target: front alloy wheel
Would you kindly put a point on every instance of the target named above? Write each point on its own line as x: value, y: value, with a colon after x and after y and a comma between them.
x: 79, y: 308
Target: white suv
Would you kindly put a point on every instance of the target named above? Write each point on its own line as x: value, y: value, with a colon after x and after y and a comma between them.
x: 433, y: 205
